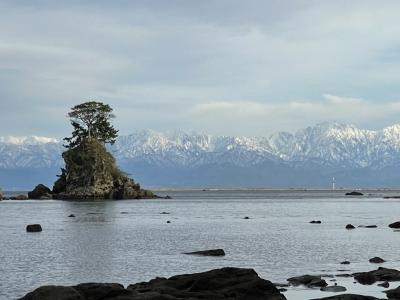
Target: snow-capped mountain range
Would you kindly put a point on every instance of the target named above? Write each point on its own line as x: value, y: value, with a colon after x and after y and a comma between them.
x: 327, y: 149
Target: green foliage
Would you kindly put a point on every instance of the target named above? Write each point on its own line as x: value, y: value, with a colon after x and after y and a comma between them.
x: 91, y: 120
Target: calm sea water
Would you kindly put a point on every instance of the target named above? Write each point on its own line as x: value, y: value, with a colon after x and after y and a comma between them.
x: 130, y: 241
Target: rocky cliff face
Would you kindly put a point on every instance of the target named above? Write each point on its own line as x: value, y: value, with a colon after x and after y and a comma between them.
x: 91, y: 173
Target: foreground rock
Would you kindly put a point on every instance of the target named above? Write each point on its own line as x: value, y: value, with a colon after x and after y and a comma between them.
x: 219, y: 284
x: 40, y: 192
x: 91, y: 173
x: 348, y: 297
x: 393, y: 294
x: 213, y: 252
x: 381, y: 274
x: 33, y: 228
x: 310, y: 281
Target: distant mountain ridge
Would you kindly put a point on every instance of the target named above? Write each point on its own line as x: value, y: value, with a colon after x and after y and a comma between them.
x: 309, y: 157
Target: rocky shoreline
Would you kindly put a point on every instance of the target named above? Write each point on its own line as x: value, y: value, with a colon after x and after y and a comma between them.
x: 219, y: 284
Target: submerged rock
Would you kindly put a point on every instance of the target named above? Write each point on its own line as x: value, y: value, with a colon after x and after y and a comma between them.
x: 333, y: 289
x: 213, y: 252
x: 308, y: 281
x: 40, y: 192
x: 219, y: 284
x: 34, y: 228
x: 91, y: 173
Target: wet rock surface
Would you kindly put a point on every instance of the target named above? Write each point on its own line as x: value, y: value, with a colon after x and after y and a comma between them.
x: 376, y: 260
x: 219, y: 284
x: 381, y: 274
x: 33, y: 228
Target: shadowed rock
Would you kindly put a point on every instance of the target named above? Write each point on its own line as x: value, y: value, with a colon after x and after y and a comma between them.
x: 350, y: 226
x: 346, y: 262
x: 212, y: 252
x: 393, y: 294
x: 33, y: 228
x: 308, y: 281
x: 376, y: 260
x: 354, y: 193
x: 381, y: 274
x: 219, y: 284
x: 395, y: 225
x: 315, y: 222
x: 40, y: 192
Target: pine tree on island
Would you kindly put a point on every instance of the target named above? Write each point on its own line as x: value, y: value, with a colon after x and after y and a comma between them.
x: 90, y: 170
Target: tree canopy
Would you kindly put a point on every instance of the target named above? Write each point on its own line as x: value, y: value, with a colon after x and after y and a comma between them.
x: 91, y: 119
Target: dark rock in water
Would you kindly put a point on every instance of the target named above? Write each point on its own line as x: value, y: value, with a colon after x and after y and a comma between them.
x: 333, y: 289
x: 368, y: 226
x: 380, y: 274
x: 308, y: 281
x: 346, y: 262
x: 393, y: 294
x: 384, y: 284
x: 213, y: 252
x: 225, y: 283
x: 354, y: 193
x: 40, y: 192
x: 53, y: 292
x: 19, y: 197
x: 348, y: 297
x: 71, y: 216
x: 219, y: 284
x: 395, y: 225
x: 246, y: 218
x: 344, y: 275
x: 91, y: 173
x: 349, y: 226
x: 366, y: 278
x: 33, y: 228
x: 315, y: 222
x: 168, y: 222
x: 376, y: 260
x: 164, y: 213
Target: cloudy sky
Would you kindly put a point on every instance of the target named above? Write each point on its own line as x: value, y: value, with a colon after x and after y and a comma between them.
x: 220, y: 67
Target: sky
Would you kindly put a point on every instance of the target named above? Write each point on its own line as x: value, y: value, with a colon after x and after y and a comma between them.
x: 227, y: 67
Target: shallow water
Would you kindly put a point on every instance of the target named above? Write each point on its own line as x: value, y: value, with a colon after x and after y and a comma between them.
x: 130, y: 241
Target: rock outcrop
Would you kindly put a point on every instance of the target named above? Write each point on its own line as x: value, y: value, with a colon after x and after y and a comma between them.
x: 310, y: 281
x: 380, y: 274
x: 91, y: 173
x: 40, y: 192
x: 219, y: 284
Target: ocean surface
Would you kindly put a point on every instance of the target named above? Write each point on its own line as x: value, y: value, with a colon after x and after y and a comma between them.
x: 130, y: 241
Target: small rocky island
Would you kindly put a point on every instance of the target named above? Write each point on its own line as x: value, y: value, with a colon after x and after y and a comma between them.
x: 90, y: 170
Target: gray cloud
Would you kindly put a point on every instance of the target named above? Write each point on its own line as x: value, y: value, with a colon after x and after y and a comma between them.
x: 219, y: 66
